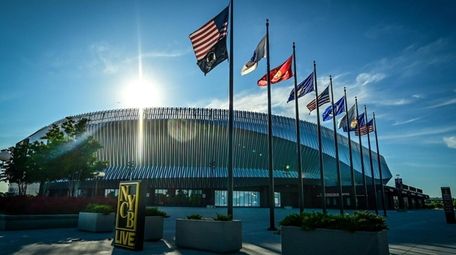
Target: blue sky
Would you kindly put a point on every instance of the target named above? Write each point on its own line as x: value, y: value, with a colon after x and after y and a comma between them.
x: 60, y: 58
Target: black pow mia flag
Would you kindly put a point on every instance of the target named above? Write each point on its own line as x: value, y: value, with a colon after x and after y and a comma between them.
x: 209, y: 42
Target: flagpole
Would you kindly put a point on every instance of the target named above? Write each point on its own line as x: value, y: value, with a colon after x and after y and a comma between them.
x: 366, y: 201
x: 379, y: 167
x: 339, y: 179
x: 374, y: 189
x: 298, y: 136
x: 270, y: 164
x: 320, y: 153
x: 230, y: 121
x: 352, y: 170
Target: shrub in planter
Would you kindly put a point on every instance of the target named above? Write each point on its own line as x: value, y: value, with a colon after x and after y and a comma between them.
x: 222, y: 217
x: 195, y: 217
x: 360, y: 233
x: 220, y: 234
x: 153, y: 225
x: 99, y: 208
x: 96, y: 218
x: 154, y: 211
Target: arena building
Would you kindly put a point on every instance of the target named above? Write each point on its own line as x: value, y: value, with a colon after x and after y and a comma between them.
x: 181, y: 155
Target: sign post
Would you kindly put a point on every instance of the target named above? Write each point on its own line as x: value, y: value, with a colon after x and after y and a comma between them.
x: 448, y: 205
x: 129, y: 232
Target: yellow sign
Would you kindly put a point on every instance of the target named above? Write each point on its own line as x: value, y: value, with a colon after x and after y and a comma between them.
x: 130, y: 217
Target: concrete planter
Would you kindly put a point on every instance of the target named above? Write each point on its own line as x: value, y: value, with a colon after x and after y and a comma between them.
x: 153, y: 228
x: 19, y: 222
x: 209, y: 235
x: 96, y: 222
x: 333, y: 242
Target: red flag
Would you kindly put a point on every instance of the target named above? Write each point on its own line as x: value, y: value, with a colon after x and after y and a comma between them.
x: 278, y: 74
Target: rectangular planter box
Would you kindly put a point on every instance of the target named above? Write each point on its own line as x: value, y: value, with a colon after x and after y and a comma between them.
x: 96, y: 222
x: 153, y: 228
x: 19, y: 222
x: 333, y: 242
x: 209, y: 235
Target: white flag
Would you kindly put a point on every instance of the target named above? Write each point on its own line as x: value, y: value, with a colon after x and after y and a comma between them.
x: 258, y: 54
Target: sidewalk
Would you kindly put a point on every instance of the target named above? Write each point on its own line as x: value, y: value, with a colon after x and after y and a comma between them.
x: 413, y: 232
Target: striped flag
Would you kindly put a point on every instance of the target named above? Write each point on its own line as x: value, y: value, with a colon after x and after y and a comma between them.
x: 209, y: 42
x: 323, y: 98
x: 368, y: 128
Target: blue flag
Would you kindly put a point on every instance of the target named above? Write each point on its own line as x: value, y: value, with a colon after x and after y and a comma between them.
x: 339, y: 108
x: 304, y: 87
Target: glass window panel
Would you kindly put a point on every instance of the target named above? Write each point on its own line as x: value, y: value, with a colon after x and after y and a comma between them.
x: 240, y: 198
x: 277, y: 199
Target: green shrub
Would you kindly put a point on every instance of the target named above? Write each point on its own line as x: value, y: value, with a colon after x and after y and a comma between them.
x: 222, y: 217
x: 292, y: 220
x: 359, y: 221
x: 194, y: 217
x: 154, y: 211
x: 99, y: 208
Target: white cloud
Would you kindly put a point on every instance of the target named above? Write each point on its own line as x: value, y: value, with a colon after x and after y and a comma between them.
x: 381, y: 30
x: 166, y: 53
x: 106, y: 57
x: 257, y: 101
x: 364, y: 79
x: 418, y: 133
x: 415, y: 59
x: 444, y: 103
x: 403, y: 122
x: 450, y: 141
x: 111, y: 59
x: 395, y: 102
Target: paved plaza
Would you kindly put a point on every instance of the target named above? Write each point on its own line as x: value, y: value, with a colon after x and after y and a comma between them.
x: 422, y: 232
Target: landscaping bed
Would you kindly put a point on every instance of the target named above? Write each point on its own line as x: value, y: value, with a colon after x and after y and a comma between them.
x: 20, y: 205
x: 320, y: 234
x: 27, y: 212
x: 153, y: 224
x: 220, y: 234
x: 97, y: 218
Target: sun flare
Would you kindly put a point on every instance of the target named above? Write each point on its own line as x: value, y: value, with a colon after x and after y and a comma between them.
x: 141, y: 93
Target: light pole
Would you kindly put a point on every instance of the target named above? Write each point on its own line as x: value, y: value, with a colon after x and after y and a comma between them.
x: 98, y: 176
x: 130, y: 165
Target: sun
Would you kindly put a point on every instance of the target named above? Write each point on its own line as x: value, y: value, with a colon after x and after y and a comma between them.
x: 141, y: 93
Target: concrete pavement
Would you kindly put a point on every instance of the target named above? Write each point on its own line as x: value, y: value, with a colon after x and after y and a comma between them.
x: 413, y: 232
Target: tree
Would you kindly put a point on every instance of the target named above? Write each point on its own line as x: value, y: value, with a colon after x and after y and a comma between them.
x: 69, y: 153
x: 15, y: 170
x: 66, y: 152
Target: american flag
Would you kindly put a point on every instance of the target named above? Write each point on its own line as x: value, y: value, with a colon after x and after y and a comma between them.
x: 366, y: 128
x: 323, y: 98
x: 207, y: 36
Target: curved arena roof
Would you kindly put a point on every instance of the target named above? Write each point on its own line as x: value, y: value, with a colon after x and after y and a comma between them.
x: 191, y: 144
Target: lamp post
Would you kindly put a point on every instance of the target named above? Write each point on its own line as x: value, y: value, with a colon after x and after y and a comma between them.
x: 130, y: 165
x: 98, y: 176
